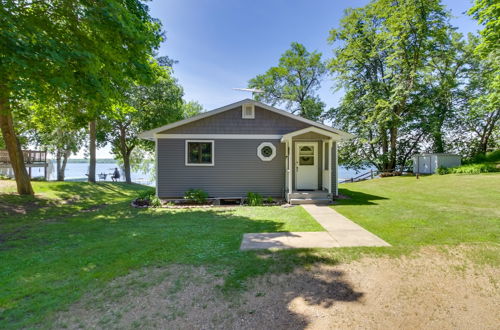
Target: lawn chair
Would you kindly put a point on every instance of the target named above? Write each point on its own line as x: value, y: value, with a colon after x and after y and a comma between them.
x: 102, y: 176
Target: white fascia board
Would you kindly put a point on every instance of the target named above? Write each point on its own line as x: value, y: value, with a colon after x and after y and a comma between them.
x: 220, y: 136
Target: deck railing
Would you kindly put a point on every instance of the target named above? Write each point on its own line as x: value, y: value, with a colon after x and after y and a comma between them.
x: 30, y: 156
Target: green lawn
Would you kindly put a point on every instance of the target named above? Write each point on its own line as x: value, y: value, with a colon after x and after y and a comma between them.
x: 74, y: 238
x: 448, y: 209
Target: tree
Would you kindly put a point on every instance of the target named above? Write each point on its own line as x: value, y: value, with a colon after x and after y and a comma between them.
x: 146, y: 107
x: 55, y: 131
x: 294, y: 82
x: 88, y: 50
x: 481, y: 105
x: 381, y: 53
x: 442, y: 91
x: 485, y: 73
x: 191, y: 108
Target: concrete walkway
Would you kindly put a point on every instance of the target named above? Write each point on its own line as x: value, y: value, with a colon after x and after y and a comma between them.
x: 340, y: 232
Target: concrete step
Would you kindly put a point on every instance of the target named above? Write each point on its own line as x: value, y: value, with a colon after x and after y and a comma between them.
x: 299, y: 201
x: 310, y: 194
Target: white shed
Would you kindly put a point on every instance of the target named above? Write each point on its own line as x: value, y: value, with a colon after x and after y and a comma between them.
x: 429, y: 163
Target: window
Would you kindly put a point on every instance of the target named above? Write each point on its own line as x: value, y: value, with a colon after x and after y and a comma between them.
x: 266, y: 151
x: 199, y: 153
x: 306, y: 155
x: 248, y: 111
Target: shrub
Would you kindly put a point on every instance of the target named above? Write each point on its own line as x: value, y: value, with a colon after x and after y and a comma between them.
x: 442, y: 170
x: 269, y: 200
x: 474, y: 169
x: 254, y: 199
x: 154, y: 201
x: 148, y: 198
x: 197, y: 196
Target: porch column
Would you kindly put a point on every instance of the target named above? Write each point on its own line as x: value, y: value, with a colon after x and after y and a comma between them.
x: 330, y: 144
x: 290, y: 165
x: 336, y: 169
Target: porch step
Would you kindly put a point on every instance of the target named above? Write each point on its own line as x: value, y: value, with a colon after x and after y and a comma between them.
x: 309, y: 194
x: 299, y: 201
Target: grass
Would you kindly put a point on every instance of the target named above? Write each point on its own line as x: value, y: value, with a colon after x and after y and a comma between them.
x: 449, y: 209
x: 74, y: 238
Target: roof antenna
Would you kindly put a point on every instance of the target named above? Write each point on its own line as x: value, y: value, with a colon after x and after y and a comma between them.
x: 251, y: 90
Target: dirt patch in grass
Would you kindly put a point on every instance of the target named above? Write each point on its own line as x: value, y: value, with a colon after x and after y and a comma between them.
x: 436, y: 288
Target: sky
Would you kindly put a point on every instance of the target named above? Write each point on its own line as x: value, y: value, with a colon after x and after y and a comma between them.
x: 221, y: 44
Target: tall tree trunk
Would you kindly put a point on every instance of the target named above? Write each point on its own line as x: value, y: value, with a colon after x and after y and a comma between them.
x: 393, y: 151
x: 92, y: 150
x: 58, y: 165
x: 66, y: 155
x: 13, y: 146
x: 125, y: 155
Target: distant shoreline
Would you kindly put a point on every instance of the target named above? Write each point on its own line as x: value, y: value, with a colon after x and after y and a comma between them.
x: 83, y: 160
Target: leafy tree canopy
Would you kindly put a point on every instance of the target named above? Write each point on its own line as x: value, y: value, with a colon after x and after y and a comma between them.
x: 294, y: 82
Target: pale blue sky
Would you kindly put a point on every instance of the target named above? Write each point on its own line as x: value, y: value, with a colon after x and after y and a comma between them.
x: 220, y: 44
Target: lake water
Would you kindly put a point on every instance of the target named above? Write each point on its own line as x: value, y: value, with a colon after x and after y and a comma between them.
x: 78, y: 171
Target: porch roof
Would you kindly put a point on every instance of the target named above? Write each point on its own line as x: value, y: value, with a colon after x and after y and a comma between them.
x: 312, y: 129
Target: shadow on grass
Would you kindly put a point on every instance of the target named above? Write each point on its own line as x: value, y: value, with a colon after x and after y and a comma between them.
x: 56, y: 263
x: 357, y: 198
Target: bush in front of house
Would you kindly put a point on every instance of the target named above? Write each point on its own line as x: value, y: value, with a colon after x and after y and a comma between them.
x: 147, y: 198
x: 197, y: 196
x: 254, y: 199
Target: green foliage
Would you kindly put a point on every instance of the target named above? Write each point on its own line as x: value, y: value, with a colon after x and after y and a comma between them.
x: 489, y: 157
x: 197, y: 196
x: 254, y: 199
x: 442, y: 170
x: 474, y: 169
x: 294, y: 82
x: 146, y: 193
x: 191, y: 108
x: 48, y: 53
x: 382, y: 104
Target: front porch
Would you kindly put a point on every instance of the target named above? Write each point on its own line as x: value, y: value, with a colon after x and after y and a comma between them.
x: 311, y: 166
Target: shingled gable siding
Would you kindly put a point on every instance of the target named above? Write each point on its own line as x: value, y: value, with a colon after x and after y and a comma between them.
x: 237, y: 169
x: 230, y: 122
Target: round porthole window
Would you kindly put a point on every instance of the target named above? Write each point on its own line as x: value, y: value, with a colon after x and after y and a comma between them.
x: 266, y: 151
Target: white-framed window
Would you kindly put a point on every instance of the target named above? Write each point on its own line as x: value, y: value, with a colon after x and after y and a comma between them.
x: 248, y: 111
x: 266, y: 151
x: 199, y: 152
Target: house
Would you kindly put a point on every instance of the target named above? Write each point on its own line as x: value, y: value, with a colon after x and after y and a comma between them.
x: 246, y: 147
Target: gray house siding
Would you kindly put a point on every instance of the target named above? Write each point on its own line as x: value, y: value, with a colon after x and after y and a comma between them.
x: 230, y: 122
x: 237, y: 169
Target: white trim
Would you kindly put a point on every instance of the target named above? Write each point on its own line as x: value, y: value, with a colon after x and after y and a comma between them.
x: 156, y: 166
x: 194, y: 164
x: 243, y: 114
x: 261, y: 156
x: 290, y: 166
x: 312, y: 129
x: 220, y: 136
x: 149, y: 134
x: 330, y: 145
x: 336, y: 169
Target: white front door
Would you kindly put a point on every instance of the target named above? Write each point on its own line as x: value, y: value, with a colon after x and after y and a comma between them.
x: 306, y: 165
